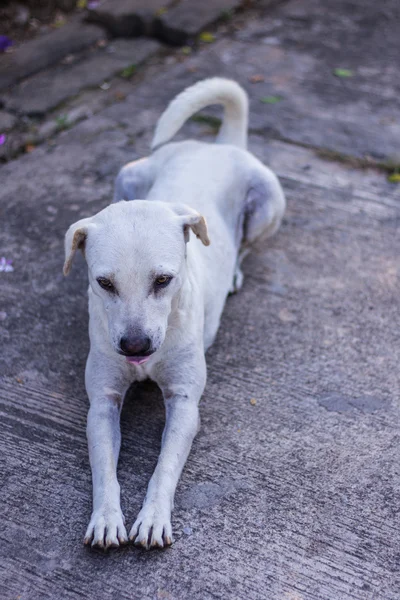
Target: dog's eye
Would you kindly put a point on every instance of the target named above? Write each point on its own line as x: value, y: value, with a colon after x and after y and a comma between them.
x: 105, y: 284
x: 163, y: 281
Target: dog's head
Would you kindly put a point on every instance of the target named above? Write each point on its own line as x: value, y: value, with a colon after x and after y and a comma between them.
x: 135, y: 253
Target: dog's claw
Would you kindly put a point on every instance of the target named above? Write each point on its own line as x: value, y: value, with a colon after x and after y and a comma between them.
x: 152, y: 528
x: 168, y: 541
x: 106, y: 529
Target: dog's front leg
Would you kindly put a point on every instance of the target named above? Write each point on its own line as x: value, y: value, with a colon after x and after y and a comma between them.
x: 106, y: 390
x: 152, y: 527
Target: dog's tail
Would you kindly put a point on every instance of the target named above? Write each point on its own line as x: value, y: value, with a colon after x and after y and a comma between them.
x: 209, y: 91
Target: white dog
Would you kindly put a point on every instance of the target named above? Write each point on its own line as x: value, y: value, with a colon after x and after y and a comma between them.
x: 155, y: 301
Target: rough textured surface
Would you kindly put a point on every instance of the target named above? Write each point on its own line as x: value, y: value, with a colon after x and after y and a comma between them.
x: 291, y: 50
x: 46, y: 50
x: 119, y: 8
x: 292, y: 496
x: 294, y: 50
x: 190, y: 16
x: 45, y: 91
x: 175, y: 22
x: 7, y: 120
x: 126, y: 18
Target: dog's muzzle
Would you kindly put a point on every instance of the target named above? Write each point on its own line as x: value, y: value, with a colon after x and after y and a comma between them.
x: 137, y: 349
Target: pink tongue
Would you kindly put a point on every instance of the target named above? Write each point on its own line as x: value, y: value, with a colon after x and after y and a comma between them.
x: 137, y: 360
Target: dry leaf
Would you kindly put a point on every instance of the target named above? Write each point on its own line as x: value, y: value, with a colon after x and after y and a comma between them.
x: 394, y: 178
x: 271, y: 99
x: 119, y: 96
x: 343, y: 72
x: 256, y: 78
x: 207, y: 37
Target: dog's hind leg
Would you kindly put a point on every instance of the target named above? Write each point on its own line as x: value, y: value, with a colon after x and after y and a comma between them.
x: 263, y: 208
x: 134, y: 180
x: 261, y: 215
x: 237, y: 277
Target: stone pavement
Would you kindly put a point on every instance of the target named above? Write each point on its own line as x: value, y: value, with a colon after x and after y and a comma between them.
x: 292, y: 488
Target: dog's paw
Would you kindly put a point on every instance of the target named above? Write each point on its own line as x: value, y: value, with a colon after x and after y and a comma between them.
x: 152, y: 528
x: 237, y: 281
x: 106, y: 529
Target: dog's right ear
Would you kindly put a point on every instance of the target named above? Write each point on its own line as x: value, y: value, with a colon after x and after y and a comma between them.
x: 75, y: 239
x: 191, y: 219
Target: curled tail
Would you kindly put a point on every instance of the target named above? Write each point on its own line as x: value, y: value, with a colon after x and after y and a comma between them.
x: 209, y: 91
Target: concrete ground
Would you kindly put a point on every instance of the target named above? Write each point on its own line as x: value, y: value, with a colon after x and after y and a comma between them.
x: 292, y: 488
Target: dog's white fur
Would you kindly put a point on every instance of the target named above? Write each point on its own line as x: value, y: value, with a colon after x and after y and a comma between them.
x: 133, y: 244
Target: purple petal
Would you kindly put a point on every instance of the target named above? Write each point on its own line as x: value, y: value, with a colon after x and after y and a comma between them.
x: 5, y: 42
x: 2, y: 139
x: 93, y: 4
x: 5, y: 265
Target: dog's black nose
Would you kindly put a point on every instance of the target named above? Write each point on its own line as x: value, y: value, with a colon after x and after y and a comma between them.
x: 138, y: 345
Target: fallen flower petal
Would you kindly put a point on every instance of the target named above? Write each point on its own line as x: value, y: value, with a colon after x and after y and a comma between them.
x: 5, y: 265
x: 5, y: 43
x: 3, y: 138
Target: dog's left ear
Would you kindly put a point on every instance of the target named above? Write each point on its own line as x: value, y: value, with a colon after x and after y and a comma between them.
x: 190, y: 218
x: 75, y: 239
